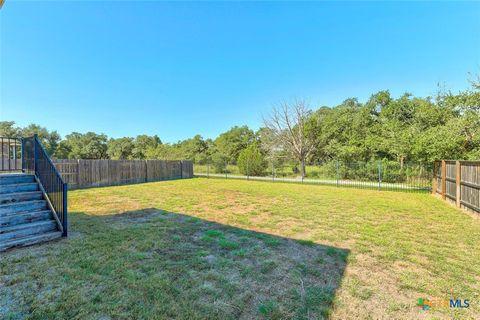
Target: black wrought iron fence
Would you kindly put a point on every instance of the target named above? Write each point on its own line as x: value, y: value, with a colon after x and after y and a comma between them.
x: 380, y: 175
x: 36, y: 161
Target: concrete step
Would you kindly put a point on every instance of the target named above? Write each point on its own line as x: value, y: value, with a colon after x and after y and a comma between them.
x: 27, y: 241
x: 20, y: 187
x: 20, y: 196
x: 15, y: 178
x: 25, y: 217
x: 23, y: 206
x: 27, y: 229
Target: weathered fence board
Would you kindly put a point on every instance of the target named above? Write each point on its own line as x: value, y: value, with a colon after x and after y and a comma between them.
x: 461, y: 181
x: 96, y: 173
x: 450, y: 179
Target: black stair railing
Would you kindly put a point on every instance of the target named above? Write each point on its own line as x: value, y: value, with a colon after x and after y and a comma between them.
x: 35, y: 160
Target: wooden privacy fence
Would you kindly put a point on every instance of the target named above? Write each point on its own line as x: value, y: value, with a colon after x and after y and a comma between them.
x: 459, y: 182
x: 98, y: 173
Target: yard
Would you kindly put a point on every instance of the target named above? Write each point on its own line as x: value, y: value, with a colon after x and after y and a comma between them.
x: 229, y: 249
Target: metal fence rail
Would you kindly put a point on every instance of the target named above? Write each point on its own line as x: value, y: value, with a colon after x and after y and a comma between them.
x: 378, y: 175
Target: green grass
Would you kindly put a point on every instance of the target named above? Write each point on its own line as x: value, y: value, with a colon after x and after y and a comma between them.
x: 281, y: 171
x: 226, y: 249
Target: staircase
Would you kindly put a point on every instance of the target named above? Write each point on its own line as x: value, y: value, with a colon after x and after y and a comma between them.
x: 25, y: 216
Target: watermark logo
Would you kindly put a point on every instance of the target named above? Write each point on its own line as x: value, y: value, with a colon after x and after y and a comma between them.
x: 427, y: 304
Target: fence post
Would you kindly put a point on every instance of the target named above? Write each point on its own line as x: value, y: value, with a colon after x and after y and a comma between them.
x: 273, y: 172
x: 22, y: 150
x: 458, y: 180
x: 248, y: 172
x: 379, y: 175
x: 226, y: 169
x: 146, y: 170
x: 303, y: 170
x: 15, y: 155
x: 65, y: 210
x: 336, y: 166
x: 78, y: 173
x: 434, y: 179
x: 444, y: 180
x: 35, y: 160
x: 208, y: 169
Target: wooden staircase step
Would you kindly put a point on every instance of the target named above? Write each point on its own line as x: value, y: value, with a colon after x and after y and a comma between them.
x: 6, y: 179
x: 22, y: 206
x: 27, y: 229
x: 25, y: 217
x: 19, y: 187
x: 27, y: 241
x: 20, y: 196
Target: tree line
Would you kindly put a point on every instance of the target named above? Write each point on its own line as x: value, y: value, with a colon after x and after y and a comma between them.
x: 403, y: 129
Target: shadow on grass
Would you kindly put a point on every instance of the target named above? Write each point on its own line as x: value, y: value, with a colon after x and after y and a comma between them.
x: 156, y: 264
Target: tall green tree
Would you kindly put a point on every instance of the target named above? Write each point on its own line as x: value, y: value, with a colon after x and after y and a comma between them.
x: 164, y: 151
x: 251, y: 161
x: 49, y: 139
x: 142, y: 143
x: 233, y: 141
x: 121, y: 148
x: 83, y: 146
x: 196, y: 148
x: 8, y: 129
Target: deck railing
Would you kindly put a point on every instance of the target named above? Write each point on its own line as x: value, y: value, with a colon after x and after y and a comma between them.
x: 10, y: 154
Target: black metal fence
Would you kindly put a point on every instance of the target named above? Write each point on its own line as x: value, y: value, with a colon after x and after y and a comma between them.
x: 35, y: 160
x: 378, y: 175
x: 10, y: 154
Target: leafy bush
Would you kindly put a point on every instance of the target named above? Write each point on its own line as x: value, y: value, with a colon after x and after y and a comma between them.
x: 251, y: 161
x: 219, y: 163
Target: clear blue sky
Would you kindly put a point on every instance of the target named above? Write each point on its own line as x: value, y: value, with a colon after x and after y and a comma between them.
x: 178, y: 69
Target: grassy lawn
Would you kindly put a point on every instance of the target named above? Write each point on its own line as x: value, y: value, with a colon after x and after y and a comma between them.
x: 227, y: 249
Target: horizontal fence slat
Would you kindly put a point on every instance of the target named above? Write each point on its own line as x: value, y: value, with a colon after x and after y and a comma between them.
x: 471, y: 185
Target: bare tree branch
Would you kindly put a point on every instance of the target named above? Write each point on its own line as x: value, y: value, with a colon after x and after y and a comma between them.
x: 287, y: 124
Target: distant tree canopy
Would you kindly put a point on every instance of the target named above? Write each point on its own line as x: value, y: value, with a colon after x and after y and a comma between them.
x: 121, y: 148
x: 401, y: 129
x: 49, y: 139
x: 233, y: 141
x: 83, y: 146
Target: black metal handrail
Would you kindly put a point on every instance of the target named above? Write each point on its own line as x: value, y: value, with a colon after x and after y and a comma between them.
x: 10, y: 150
x: 35, y: 160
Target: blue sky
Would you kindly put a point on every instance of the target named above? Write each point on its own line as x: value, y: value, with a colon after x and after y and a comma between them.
x: 180, y: 68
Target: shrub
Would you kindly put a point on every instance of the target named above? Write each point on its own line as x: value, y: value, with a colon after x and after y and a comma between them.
x: 251, y: 161
x: 219, y: 163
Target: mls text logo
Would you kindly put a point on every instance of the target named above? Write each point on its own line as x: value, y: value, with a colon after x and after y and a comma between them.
x: 426, y: 304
